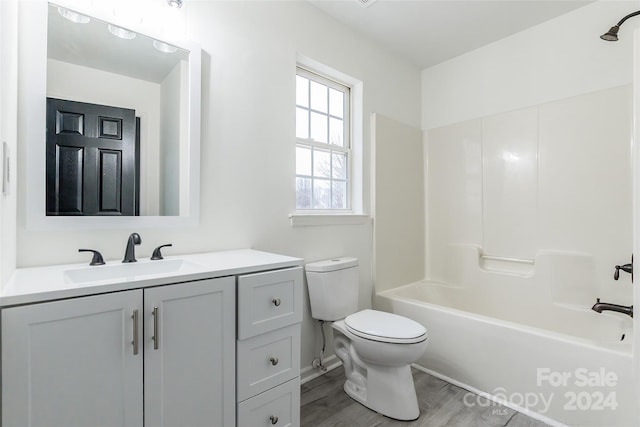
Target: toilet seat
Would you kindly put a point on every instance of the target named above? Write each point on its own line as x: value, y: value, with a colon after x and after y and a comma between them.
x: 385, y: 327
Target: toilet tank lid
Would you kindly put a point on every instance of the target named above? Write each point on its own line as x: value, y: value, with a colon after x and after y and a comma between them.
x: 332, y: 264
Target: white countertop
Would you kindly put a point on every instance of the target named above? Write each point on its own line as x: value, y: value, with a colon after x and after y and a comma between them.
x: 38, y: 284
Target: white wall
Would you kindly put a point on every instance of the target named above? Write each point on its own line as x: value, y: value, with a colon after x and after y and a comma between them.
x: 8, y: 133
x: 247, y: 153
x: 84, y: 84
x: 183, y: 138
x: 560, y: 58
x: 171, y: 129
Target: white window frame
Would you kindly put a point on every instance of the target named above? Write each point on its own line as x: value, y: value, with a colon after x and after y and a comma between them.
x: 356, y: 215
x: 327, y: 146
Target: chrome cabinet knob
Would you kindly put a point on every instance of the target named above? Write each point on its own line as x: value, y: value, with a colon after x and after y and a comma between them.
x: 273, y: 419
x: 276, y: 302
x: 274, y: 360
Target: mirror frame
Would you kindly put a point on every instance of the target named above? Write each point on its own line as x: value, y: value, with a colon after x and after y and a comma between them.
x: 32, y: 121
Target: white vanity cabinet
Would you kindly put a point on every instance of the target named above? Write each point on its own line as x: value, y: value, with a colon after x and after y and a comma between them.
x: 79, y: 362
x: 268, y: 348
x: 154, y: 344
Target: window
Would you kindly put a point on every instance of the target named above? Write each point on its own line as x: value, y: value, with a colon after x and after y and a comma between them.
x: 323, y: 143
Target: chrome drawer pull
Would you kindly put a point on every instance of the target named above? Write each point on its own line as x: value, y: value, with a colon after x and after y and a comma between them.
x: 273, y: 419
x: 276, y: 302
x: 274, y: 360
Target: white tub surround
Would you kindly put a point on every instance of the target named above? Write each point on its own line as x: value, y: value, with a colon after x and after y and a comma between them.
x: 398, y: 203
x: 549, y: 178
x: 522, y: 239
x: 154, y: 342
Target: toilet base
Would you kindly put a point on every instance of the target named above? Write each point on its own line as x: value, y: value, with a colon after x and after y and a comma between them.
x: 387, y: 390
x: 378, y: 374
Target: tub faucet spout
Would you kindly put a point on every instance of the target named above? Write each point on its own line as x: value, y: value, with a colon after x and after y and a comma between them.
x: 605, y: 306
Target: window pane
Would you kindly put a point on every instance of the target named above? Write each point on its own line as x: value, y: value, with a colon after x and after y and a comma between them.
x: 339, y: 169
x: 303, y: 161
x: 322, y: 168
x: 339, y: 195
x: 302, y: 91
x: 302, y: 123
x: 303, y: 193
x: 321, y: 194
x: 336, y: 103
x: 321, y: 163
x: 336, y: 131
x: 319, y: 127
x: 319, y: 97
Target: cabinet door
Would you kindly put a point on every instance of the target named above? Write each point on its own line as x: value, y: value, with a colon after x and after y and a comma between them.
x: 190, y: 354
x: 72, y: 363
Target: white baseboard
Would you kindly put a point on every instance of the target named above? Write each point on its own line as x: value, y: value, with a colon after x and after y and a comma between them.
x: 308, y: 373
x: 491, y: 397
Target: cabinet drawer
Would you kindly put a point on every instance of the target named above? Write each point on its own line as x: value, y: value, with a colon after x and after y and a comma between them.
x: 279, y: 407
x: 268, y: 301
x: 268, y: 360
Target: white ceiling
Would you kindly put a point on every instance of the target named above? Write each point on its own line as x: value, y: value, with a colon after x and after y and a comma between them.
x: 427, y: 32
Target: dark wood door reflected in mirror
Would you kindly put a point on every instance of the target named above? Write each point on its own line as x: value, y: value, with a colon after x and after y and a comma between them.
x: 93, y: 160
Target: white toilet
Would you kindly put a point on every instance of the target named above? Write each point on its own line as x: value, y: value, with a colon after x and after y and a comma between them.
x: 375, y: 347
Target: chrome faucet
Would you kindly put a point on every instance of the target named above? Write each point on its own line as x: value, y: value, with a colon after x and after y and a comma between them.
x: 129, y: 253
x: 605, y: 306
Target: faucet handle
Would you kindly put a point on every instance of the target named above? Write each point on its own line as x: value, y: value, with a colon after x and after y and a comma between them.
x: 156, y: 252
x: 97, y: 257
x: 627, y: 268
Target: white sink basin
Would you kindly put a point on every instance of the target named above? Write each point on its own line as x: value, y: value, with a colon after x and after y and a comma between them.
x: 129, y: 271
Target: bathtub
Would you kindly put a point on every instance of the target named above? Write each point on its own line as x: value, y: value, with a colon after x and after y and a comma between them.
x: 560, y: 364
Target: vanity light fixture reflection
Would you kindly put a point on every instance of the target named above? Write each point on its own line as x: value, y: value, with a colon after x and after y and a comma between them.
x: 175, y: 3
x: 121, y: 32
x: 73, y: 16
x: 164, y: 47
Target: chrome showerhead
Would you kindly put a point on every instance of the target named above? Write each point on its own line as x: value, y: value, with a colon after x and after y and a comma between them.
x: 611, y: 35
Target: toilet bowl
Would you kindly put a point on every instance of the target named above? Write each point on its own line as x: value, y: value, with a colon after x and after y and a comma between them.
x: 376, y: 348
x: 378, y: 373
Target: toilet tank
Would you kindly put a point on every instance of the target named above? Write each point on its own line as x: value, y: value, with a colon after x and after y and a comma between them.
x: 333, y: 288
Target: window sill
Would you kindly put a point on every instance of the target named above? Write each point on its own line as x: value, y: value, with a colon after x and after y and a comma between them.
x: 315, y: 219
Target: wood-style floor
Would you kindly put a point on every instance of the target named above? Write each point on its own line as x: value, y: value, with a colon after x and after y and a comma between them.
x: 325, y: 404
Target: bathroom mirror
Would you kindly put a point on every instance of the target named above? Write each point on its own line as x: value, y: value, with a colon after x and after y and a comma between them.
x: 84, y: 68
